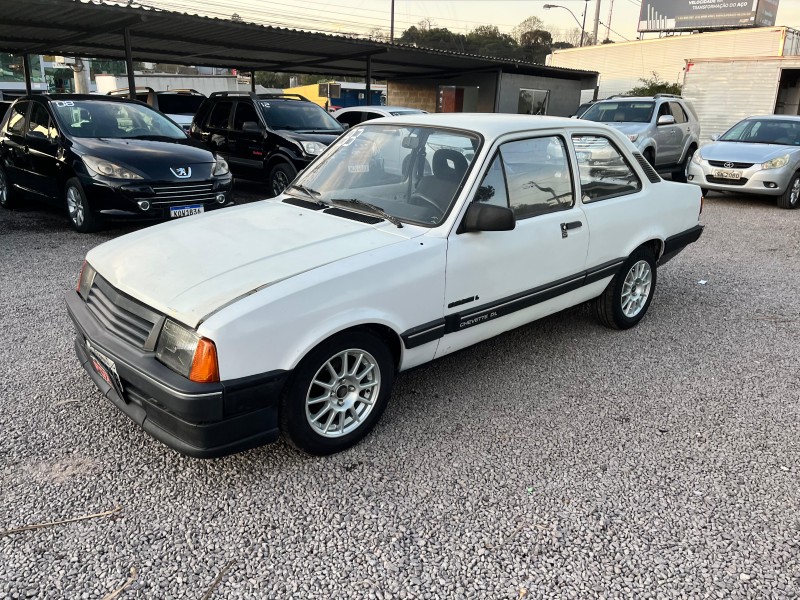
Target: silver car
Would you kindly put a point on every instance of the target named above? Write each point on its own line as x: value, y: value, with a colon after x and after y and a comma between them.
x: 759, y: 155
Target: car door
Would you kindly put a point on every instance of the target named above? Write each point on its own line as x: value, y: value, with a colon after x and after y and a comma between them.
x: 498, y: 280
x: 667, y: 138
x: 682, y: 126
x: 217, y: 127
x: 41, y: 138
x: 246, y: 140
x: 15, y: 155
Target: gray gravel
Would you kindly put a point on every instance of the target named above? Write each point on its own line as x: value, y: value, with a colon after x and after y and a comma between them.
x: 561, y: 460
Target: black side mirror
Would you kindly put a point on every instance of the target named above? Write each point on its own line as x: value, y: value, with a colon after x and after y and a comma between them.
x: 488, y: 217
x: 251, y: 127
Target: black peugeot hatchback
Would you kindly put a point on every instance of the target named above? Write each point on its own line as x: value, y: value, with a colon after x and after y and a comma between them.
x: 106, y: 158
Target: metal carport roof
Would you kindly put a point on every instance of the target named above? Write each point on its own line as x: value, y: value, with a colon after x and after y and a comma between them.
x: 96, y: 29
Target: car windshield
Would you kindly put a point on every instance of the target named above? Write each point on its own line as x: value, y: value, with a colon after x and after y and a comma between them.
x: 298, y: 115
x: 765, y: 131
x: 620, y: 112
x: 410, y: 173
x: 107, y: 119
x: 179, y: 104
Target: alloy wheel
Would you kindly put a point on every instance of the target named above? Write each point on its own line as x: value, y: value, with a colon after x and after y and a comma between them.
x: 3, y: 188
x: 636, y: 288
x: 75, y: 206
x: 280, y: 181
x: 794, y: 195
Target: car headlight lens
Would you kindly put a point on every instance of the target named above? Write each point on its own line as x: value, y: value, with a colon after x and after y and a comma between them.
x: 696, y: 158
x: 220, y: 167
x: 186, y: 353
x: 776, y: 163
x: 109, y: 169
x: 313, y: 148
x: 633, y: 137
x: 85, y: 280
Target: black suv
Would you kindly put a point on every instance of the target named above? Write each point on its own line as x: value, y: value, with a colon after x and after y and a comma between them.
x: 265, y: 136
x: 178, y: 105
x: 103, y: 157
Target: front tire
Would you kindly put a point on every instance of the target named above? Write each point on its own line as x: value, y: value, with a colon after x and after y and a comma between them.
x: 682, y: 174
x: 628, y: 296
x: 280, y: 176
x: 337, y: 393
x: 791, y: 197
x: 80, y: 214
x: 8, y: 195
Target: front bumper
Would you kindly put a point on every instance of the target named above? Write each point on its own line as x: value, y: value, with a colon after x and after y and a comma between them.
x: 752, y: 180
x: 115, y: 199
x: 204, y: 420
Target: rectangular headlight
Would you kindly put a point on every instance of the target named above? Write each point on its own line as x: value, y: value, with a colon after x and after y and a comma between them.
x: 176, y: 347
x: 86, y: 280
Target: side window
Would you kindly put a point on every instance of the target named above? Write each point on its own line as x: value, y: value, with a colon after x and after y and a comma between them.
x: 663, y: 110
x: 368, y: 116
x: 493, y: 187
x: 678, y: 112
x: 604, y: 171
x: 351, y: 118
x: 16, y: 121
x: 220, y: 115
x: 40, y: 122
x: 244, y: 112
x: 538, y: 177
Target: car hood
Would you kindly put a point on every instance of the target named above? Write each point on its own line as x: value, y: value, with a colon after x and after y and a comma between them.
x: 744, y: 152
x: 321, y: 136
x: 190, y: 268
x: 150, y: 158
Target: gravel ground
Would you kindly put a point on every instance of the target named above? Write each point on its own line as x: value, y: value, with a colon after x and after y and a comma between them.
x: 560, y: 460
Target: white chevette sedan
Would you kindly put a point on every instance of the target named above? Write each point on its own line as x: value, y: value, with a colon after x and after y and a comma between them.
x: 408, y: 239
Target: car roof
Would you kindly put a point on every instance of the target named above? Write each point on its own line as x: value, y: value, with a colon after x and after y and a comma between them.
x: 489, y: 124
x: 776, y: 117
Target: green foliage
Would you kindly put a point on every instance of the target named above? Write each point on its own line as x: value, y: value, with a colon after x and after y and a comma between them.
x: 653, y: 85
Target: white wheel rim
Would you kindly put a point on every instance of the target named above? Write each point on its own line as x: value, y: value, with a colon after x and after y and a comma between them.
x: 342, y: 393
x: 795, y: 193
x: 75, y: 206
x: 636, y: 288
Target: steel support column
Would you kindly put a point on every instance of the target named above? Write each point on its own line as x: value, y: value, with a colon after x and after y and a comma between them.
x: 26, y: 67
x: 369, y: 80
x: 129, y: 64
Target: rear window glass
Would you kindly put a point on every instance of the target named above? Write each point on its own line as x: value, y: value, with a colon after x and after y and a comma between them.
x: 179, y: 104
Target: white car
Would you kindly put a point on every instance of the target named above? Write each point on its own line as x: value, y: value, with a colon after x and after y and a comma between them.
x: 220, y: 331
x: 354, y: 115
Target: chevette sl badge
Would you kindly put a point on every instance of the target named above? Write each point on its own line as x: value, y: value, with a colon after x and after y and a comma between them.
x: 182, y: 172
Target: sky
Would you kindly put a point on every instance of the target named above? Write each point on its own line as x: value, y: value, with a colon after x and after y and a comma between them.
x: 361, y: 16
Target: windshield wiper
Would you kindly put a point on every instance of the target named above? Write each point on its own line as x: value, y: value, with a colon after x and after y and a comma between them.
x: 309, y: 192
x: 355, y: 203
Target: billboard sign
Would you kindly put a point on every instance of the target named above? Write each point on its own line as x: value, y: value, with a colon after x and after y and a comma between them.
x: 682, y: 15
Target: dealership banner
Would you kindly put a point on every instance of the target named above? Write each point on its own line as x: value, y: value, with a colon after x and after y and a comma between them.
x: 678, y: 15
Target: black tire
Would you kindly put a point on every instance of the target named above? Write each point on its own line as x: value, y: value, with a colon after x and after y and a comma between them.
x: 79, y: 212
x: 280, y: 176
x: 650, y: 156
x: 8, y: 195
x: 342, y: 400
x: 705, y: 191
x: 680, y: 173
x: 610, y: 304
x: 791, y: 197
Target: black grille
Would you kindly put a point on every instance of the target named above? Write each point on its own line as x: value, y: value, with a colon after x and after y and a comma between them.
x: 184, y: 192
x: 723, y: 181
x: 729, y: 165
x: 121, y: 315
x: 647, y: 168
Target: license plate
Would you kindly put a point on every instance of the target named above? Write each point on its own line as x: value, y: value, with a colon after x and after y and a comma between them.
x: 584, y: 156
x: 185, y: 211
x: 727, y: 174
x: 105, y: 367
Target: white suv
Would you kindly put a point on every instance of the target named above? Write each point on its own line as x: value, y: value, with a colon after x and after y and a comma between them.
x: 663, y: 127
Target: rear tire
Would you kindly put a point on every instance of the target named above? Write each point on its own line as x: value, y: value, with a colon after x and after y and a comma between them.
x: 8, y: 195
x: 337, y: 393
x: 791, y: 197
x: 628, y: 296
x: 80, y: 214
x: 280, y: 177
x: 650, y: 156
x: 681, y: 174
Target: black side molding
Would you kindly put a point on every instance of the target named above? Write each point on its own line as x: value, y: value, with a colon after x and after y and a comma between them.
x: 674, y: 244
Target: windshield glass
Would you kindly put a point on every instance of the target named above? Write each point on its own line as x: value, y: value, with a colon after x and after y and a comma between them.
x: 411, y: 173
x: 764, y: 131
x: 298, y: 115
x: 106, y: 119
x: 620, y: 112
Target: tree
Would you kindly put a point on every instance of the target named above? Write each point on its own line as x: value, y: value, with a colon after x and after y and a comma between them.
x: 653, y: 85
x: 526, y: 26
x: 488, y: 41
x: 536, y: 45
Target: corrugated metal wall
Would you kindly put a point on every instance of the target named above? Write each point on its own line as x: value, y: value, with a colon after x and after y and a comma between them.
x: 726, y: 91
x: 621, y: 65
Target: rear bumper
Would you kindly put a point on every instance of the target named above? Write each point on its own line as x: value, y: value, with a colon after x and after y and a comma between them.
x: 675, y: 244
x: 203, y: 420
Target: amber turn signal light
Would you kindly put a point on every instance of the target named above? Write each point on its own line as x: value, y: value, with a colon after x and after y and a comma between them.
x: 205, y: 367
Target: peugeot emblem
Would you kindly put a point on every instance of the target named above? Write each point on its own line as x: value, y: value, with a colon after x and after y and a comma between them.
x: 182, y: 172
x: 727, y: 165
